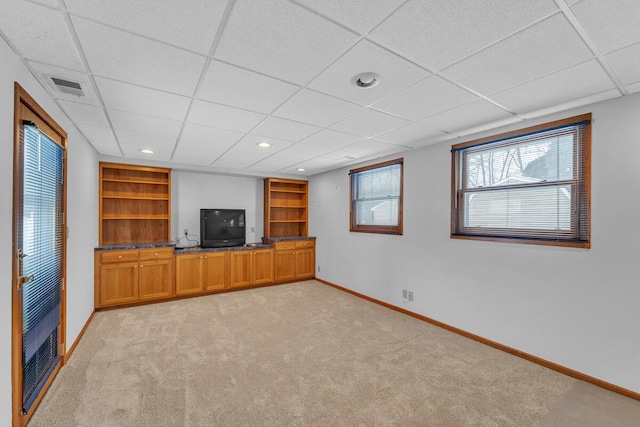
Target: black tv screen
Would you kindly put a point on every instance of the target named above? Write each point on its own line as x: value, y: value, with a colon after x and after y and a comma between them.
x: 222, y: 227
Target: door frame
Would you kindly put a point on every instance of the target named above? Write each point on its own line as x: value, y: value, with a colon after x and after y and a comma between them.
x: 23, y: 100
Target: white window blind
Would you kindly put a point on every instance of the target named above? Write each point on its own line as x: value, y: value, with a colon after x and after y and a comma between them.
x: 530, y: 186
x: 376, y: 198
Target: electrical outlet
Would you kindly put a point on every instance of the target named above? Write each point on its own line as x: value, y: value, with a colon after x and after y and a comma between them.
x: 318, y: 269
x: 410, y: 296
x: 404, y: 293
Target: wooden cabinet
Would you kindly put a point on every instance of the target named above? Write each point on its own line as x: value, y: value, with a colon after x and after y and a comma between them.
x: 294, y: 260
x: 134, y: 204
x: 129, y: 276
x: 202, y: 271
x: 155, y: 274
x: 285, y: 207
x: 251, y: 267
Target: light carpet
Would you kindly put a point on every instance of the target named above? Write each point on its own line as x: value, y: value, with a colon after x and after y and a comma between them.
x: 301, y: 354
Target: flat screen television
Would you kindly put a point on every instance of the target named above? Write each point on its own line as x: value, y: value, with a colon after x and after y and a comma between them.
x: 222, y: 227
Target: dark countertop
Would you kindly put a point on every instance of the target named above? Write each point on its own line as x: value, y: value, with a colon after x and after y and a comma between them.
x: 286, y: 238
x: 247, y: 247
x: 267, y: 244
x: 122, y: 246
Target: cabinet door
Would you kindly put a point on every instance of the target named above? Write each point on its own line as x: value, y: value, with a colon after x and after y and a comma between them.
x: 241, y: 268
x: 215, y: 271
x: 156, y: 279
x: 118, y: 283
x: 305, y: 263
x: 263, y: 266
x: 285, y: 265
x: 189, y: 274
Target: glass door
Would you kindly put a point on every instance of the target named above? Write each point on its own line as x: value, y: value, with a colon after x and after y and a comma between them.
x: 40, y: 252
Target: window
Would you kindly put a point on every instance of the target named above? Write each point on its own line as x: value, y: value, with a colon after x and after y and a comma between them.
x: 529, y: 186
x: 376, y: 198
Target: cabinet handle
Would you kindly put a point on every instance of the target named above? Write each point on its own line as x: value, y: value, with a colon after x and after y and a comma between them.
x: 200, y: 257
x: 119, y: 256
x: 206, y: 257
x: 156, y: 254
x: 141, y: 265
x: 135, y: 266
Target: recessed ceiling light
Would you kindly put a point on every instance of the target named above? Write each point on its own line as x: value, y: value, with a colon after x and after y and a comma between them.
x: 366, y: 80
x: 264, y: 145
x: 146, y: 151
x: 301, y: 169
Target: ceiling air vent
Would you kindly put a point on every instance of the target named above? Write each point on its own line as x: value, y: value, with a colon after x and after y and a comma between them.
x: 66, y: 86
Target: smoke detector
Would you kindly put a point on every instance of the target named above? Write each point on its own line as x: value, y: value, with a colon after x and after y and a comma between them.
x: 67, y: 86
x: 366, y: 80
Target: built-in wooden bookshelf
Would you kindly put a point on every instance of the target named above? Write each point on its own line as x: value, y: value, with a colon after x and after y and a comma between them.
x: 285, y: 207
x: 135, y: 204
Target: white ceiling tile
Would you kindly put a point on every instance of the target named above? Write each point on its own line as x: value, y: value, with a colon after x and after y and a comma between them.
x: 106, y: 148
x: 281, y: 39
x: 373, y: 146
x: 626, y: 64
x: 284, y: 129
x: 85, y: 114
x: 425, y: 98
x: 574, y: 103
x: 248, y: 148
x: 44, y: 72
x: 466, y: 116
x: 315, y: 108
x: 229, y: 85
x: 341, y: 158
x: 160, y: 153
x: 633, y: 88
x: 369, y: 122
x: 138, y: 60
x: 409, y: 134
x: 232, y: 164
x: 314, y: 165
x: 223, y: 117
x: 611, y: 24
x: 44, y: 39
x: 331, y: 140
x: 548, y: 46
x: 102, y: 139
x: 359, y: 15
x: 53, y: 4
x: 136, y: 99
x: 202, y: 145
x: 396, y: 73
x: 288, y: 157
x: 148, y: 127
x: 574, y: 82
x: 192, y: 25
x: 434, y: 140
x: 442, y: 32
x: 485, y: 126
x: 246, y: 152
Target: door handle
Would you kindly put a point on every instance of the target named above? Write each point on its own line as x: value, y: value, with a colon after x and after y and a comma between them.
x: 24, y: 279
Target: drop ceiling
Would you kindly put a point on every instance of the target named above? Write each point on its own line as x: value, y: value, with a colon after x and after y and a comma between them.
x: 202, y: 82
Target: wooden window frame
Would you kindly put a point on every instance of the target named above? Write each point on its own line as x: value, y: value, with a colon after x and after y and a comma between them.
x: 376, y: 229
x: 457, y: 212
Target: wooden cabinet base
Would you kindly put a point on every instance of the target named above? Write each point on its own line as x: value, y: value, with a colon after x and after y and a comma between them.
x: 131, y: 276
x: 134, y: 277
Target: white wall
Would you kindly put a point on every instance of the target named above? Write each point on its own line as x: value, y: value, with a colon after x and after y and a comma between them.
x: 192, y: 191
x: 82, y: 211
x: 574, y: 307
